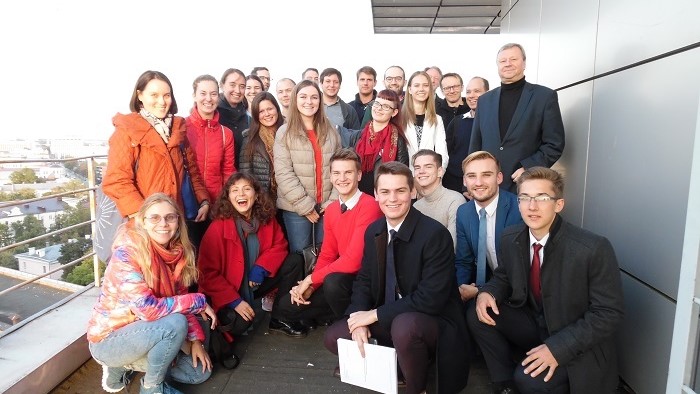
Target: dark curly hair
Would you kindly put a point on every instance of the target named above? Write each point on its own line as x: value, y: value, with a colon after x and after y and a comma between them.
x: 263, y: 207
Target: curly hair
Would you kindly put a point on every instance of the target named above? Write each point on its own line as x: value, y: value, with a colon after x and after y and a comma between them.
x: 263, y: 208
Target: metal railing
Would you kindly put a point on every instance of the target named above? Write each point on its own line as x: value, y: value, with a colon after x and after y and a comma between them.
x: 92, y: 187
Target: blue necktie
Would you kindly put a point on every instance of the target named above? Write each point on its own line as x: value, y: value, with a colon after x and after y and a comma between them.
x: 481, y: 252
x: 390, y: 287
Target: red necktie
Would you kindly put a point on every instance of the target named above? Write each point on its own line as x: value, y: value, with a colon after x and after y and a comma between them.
x: 535, y: 286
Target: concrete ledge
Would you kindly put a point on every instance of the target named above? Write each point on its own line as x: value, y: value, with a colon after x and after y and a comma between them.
x: 40, y: 355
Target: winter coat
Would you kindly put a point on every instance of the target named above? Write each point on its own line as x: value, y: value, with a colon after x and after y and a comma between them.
x: 140, y: 163
x: 260, y: 165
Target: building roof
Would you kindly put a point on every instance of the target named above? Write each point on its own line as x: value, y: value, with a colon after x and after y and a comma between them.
x: 55, y: 204
x: 49, y: 254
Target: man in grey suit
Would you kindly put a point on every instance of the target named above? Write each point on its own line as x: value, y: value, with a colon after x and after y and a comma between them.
x: 518, y: 122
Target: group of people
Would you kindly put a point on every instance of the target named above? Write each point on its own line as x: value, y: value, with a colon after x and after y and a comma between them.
x: 438, y: 225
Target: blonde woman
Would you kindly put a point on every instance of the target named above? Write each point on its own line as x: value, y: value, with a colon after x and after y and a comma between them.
x: 302, y: 151
x: 423, y: 127
x: 144, y: 319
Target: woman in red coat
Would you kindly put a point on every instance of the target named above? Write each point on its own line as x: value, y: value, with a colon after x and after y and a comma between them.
x: 244, y: 255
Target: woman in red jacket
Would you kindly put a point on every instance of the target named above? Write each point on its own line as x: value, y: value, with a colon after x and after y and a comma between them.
x: 244, y: 255
x: 212, y: 144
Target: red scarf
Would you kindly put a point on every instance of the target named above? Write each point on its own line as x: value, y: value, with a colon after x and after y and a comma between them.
x: 373, y: 143
x: 166, y: 267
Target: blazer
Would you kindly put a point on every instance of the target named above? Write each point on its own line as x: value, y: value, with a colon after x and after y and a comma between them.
x: 535, y: 136
x: 433, y: 138
x: 582, y: 302
x: 423, y: 255
x: 507, y: 214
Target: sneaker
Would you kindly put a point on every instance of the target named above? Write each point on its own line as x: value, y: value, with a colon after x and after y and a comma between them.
x: 162, y: 388
x: 114, y: 379
x: 268, y: 300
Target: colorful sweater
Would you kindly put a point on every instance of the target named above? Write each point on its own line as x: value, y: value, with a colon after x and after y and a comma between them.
x: 125, y: 298
x: 344, y: 237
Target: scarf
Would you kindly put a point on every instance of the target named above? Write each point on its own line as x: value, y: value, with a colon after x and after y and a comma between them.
x: 248, y: 232
x: 162, y: 126
x: 166, y: 268
x: 372, y: 143
x: 267, y: 135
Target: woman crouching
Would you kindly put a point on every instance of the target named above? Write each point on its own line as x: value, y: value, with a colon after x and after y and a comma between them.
x: 244, y: 255
x: 144, y: 319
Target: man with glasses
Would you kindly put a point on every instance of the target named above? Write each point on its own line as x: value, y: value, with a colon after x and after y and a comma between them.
x: 453, y: 104
x: 555, y: 297
x: 394, y: 79
x: 264, y: 74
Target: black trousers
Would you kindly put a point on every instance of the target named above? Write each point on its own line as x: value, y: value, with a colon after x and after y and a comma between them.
x: 516, y: 332
x: 414, y: 335
x: 328, y: 302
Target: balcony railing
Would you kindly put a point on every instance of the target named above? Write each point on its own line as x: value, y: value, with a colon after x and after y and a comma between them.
x: 91, y: 162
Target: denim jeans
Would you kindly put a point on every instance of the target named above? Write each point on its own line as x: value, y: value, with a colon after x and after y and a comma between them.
x: 299, y: 231
x: 151, y: 347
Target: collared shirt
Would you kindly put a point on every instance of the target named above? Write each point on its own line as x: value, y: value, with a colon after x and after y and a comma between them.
x: 542, y: 242
x: 490, y: 232
x: 468, y: 115
x: 389, y: 228
x: 335, y: 113
x: 352, y: 201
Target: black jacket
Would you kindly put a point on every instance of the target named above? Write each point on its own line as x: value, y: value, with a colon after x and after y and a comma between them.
x: 259, y: 165
x: 236, y: 119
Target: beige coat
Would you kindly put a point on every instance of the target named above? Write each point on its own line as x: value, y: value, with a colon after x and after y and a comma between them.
x: 295, y: 172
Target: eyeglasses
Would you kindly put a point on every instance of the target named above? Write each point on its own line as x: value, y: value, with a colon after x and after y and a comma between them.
x: 524, y: 199
x: 384, y: 107
x: 451, y: 88
x: 169, y: 218
x: 392, y: 79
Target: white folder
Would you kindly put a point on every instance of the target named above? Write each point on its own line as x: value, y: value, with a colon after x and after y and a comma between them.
x: 376, y: 371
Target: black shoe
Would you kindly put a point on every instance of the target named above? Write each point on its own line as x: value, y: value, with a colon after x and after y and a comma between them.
x: 290, y: 329
x: 336, y: 372
x: 310, y: 324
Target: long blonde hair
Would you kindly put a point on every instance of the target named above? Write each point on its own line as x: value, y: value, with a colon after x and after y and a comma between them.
x: 408, y: 111
x: 140, y: 241
x: 295, y: 123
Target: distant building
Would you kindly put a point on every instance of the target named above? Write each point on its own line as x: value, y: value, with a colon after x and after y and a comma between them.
x: 38, y: 261
x: 62, y: 148
x: 45, y: 210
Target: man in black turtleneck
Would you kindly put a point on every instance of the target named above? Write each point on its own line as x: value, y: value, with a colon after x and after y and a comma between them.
x: 518, y: 122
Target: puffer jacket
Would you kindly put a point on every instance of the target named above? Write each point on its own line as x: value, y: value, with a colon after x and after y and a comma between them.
x: 259, y: 165
x: 295, y: 172
x: 140, y: 164
x: 212, y: 144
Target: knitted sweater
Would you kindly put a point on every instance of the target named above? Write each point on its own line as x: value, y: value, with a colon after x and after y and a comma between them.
x: 442, y: 205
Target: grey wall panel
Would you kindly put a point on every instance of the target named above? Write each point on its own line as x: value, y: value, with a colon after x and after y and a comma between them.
x: 633, y: 30
x: 567, y: 42
x: 525, y: 24
x: 575, y: 104
x: 639, y: 164
x: 644, y: 340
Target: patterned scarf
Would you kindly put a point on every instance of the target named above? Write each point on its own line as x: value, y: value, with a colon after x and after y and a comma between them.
x: 267, y: 135
x: 372, y: 143
x: 166, y: 268
x: 162, y: 126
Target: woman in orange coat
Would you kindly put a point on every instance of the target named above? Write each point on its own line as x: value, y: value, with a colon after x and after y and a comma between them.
x: 148, y: 150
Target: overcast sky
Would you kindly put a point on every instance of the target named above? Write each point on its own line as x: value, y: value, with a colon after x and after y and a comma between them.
x: 69, y: 65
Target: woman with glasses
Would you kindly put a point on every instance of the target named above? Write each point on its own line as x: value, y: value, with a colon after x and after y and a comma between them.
x: 149, y: 149
x: 144, y: 319
x: 302, y: 151
x: 382, y: 139
x: 244, y: 256
x: 424, y: 129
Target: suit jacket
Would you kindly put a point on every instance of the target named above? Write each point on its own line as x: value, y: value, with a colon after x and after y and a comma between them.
x: 582, y: 302
x: 535, y: 136
x: 507, y: 214
x: 423, y: 257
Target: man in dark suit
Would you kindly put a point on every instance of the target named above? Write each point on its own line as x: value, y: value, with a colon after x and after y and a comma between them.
x: 518, y: 122
x: 556, y: 296
x: 481, y: 221
x: 405, y: 294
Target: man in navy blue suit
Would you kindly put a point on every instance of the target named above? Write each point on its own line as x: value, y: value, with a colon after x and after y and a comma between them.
x: 481, y: 219
x: 518, y: 122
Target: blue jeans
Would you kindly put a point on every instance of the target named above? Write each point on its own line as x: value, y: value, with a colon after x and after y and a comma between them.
x: 151, y: 347
x: 299, y: 231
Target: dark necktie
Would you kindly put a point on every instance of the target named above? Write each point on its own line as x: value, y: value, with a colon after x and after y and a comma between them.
x: 481, y: 252
x: 535, y: 285
x: 343, y: 208
x: 390, y: 283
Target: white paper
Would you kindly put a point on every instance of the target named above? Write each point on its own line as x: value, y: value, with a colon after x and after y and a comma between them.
x: 376, y: 371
